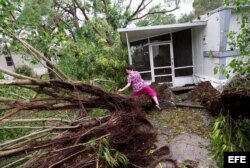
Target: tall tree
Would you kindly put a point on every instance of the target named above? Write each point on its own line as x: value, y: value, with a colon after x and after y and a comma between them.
x: 201, y: 7
x: 83, y: 33
x: 156, y: 18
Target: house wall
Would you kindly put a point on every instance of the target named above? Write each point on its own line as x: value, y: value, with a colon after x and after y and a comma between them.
x: 203, y: 66
x: 198, y: 48
x: 206, y: 39
x: 210, y: 45
x: 211, y: 33
x: 19, y: 61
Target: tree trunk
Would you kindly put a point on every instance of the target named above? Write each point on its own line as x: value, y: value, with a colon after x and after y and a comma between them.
x: 52, y: 75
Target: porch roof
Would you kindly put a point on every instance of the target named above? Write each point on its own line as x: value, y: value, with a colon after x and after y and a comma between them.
x: 139, y: 33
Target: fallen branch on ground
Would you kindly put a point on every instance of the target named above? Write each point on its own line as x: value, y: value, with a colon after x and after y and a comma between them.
x: 38, y: 120
x: 189, y: 105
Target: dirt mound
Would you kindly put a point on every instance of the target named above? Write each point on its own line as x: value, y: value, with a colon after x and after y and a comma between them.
x: 165, y: 96
x: 203, y: 91
x: 206, y: 95
x: 233, y: 100
x: 237, y: 101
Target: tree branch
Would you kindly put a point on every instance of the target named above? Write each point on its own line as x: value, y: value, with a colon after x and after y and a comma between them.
x: 138, y: 8
x: 129, y: 4
x: 152, y: 13
x: 19, y: 96
x: 22, y: 82
x: 87, y: 18
x: 64, y: 8
x: 70, y: 30
x: 106, y: 11
x: 66, y: 158
x: 44, y: 127
x: 5, y: 99
x: 133, y: 15
x: 14, y: 111
x: 17, y: 161
x: 40, y: 55
x: 144, y: 7
x: 82, y: 9
x: 38, y: 120
x: 22, y: 138
x: 19, y: 76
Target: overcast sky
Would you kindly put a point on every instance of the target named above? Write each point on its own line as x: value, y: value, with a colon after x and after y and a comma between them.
x: 185, y: 7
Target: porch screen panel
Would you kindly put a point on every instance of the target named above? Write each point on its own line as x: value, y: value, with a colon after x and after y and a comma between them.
x: 140, y: 55
x: 182, y: 48
x: 161, y: 55
x: 140, y: 58
x: 162, y: 63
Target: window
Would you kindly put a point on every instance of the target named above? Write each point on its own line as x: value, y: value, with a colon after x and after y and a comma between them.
x: 9, y: 61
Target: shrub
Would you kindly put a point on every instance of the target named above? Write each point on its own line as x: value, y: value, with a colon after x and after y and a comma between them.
x: 25, y: 70
x: 1, y: 76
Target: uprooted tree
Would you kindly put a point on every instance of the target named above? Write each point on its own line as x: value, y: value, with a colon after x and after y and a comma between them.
x: 125, y: 129
x: 124, y: 137
x: 71, y: 26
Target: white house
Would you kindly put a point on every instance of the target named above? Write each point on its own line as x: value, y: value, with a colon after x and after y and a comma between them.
x: 14, y: 61
x: 185, y: 53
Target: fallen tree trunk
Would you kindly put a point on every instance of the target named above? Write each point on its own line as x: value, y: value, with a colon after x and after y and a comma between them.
x: 189, y: 105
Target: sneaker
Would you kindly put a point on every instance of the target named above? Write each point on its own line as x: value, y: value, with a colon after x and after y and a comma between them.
x: 158, y: 107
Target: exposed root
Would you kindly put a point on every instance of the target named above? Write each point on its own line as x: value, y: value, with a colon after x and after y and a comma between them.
x: 126, y: 129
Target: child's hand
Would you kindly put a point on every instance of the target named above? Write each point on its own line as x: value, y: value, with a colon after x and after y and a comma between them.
x: 119, y: 90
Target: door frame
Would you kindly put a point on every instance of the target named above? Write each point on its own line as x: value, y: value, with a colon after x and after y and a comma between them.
x: 152, y: 67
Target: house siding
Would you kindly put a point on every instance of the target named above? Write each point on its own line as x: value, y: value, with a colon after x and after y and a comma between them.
x: 18, y: 61
x: 210, y: 44
x: 212, y: 33
x: 197, y: 44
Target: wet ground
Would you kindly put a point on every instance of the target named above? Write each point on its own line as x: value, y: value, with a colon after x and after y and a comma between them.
x: 186, y: 132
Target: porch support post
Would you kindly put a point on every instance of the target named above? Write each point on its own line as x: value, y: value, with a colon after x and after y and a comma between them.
x: 172, y: 60
x: 151, y: 63
x: 129, y: 54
